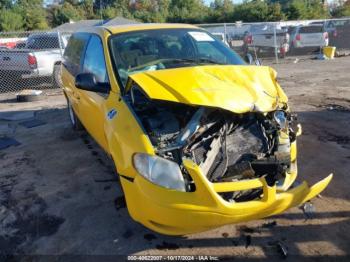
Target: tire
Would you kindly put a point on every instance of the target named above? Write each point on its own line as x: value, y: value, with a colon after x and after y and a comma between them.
x: 74, y: 120
x: 56, y: 77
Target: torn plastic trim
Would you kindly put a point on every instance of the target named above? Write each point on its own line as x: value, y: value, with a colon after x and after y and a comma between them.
x: 295, y: 196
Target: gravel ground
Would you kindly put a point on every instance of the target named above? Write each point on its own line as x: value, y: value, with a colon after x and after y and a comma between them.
x: 59, y: 194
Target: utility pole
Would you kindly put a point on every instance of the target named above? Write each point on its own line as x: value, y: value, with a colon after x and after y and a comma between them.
x: 101, y: 12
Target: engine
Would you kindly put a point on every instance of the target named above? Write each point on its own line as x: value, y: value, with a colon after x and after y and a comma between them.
x: 226, y: 146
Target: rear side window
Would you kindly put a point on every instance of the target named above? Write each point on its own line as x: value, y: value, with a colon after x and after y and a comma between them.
x: 291, y: 30
x: 311, y: 29
x: 94, y: 61
x: 43, y: 42
x: 74, y: 52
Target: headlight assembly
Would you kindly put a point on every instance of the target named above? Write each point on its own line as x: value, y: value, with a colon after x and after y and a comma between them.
x: 281, y: 119
x: 159, y: 171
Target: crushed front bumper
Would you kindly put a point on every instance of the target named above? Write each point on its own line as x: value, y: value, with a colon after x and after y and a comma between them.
x: 177, y: 213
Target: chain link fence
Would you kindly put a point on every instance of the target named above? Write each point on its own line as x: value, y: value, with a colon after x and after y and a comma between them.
x: 31, y: 60
x: 275, y: 41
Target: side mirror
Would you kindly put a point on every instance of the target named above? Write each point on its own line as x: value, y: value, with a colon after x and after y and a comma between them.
x: 87, y: 81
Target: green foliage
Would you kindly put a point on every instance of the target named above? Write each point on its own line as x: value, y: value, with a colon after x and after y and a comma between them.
x: 67, y: 12
x: 5, y: 4
x: 342, y: 11
x: 305, y: 9
x: 31, y: 15
x: 187, y: 11
x: 258, y: 11
x: 221, y: 11
x: 10, y: 21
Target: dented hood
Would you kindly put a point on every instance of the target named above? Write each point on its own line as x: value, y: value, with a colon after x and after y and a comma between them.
x: 238, y: 89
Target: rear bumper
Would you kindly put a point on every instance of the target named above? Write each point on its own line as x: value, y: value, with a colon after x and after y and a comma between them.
x: 177, y: 213
x: 285, y: 48
x: 311, y: 45
x: 37, y: 73
x: 20, y: 73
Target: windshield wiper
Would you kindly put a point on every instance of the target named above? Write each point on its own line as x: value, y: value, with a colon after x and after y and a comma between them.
x: 209, y: 61
x: 198, y: 61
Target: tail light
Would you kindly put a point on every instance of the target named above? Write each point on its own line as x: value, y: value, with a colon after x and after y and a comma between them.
x: 335, y: 33
x: 325, y: 35
x: 32, y: 61
x: 10, y: 44
x: 298, y: 37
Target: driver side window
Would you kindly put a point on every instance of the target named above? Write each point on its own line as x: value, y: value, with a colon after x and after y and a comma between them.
x: 94, y: 61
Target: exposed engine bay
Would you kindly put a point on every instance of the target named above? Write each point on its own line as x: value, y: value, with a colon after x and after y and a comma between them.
x: 226, y: 146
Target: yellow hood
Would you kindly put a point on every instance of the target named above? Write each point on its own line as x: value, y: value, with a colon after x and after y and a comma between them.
x: 238, y: 89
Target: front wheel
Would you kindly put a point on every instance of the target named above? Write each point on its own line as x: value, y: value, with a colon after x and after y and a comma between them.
x: 76, y: 124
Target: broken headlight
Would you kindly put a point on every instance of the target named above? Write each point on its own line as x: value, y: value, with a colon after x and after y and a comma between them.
x: 159, y: 171
x: 281, y: 119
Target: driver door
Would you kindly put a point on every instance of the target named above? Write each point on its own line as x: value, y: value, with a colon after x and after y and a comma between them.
x: 92, y: 105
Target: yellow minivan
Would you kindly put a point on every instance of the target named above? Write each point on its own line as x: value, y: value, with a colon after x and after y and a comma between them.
x: 200, y: 139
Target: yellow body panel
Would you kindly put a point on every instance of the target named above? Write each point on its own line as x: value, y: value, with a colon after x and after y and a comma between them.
x: 234, y: 88
x: 238, y: 89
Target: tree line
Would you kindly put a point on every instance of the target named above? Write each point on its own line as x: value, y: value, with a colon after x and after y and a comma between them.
x: 16, y: 15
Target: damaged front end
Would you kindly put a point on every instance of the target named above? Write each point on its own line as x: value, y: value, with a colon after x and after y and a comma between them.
x: 213, y: 166
x: 226, y: 146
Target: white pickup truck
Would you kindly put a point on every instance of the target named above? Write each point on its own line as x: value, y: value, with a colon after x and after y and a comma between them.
x: 261, y: 38
x: 40, y: 58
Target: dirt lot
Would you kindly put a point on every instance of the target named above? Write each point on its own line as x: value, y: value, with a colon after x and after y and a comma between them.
x: 59, y: 194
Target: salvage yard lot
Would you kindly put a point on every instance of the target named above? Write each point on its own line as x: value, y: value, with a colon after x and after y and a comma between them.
x: 59, y: 194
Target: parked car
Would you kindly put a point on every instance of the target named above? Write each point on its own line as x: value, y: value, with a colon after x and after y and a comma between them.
x: 199, y: 139
x: 308, y: 37
x: 339, y: 32
x: 40, y: 57
x: 262, y: 39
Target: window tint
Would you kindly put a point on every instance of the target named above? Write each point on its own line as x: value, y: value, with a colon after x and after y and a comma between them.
x: 43, y: 42
x: 311, y: 29
x: 73, y: 52
x: 94, y: 61
x: 291, y: 30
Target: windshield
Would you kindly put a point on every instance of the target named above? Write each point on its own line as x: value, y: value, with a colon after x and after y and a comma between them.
x: 311, y: 29
x: 160, y: 49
